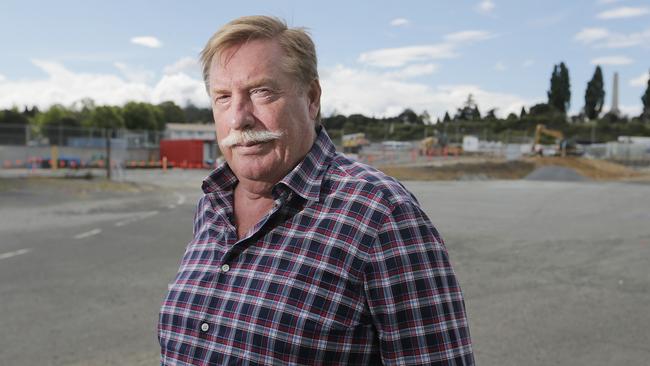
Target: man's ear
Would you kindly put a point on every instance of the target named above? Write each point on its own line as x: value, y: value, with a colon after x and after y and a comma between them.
x: 314, y: 99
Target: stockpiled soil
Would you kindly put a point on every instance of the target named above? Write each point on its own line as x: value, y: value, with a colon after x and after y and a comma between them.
x: 517, y: 169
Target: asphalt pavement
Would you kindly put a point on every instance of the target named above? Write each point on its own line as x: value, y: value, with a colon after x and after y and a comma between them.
x: 83, y: 271
x: 553, y: 272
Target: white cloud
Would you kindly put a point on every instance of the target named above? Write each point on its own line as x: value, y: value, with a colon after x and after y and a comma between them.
x: 2, y: 78
x: 137, y: 75
x: 642, y: 80
x: 603, y: 38
x: 590, y: 35
x: 468, y: 36
x: 66, y: 87
x: 187, y: 65
x: 147, y: 41
x: 612, y: 60
x: 623, y: 12
x: 630, y: 110
x: 400, y: 56
x: 528, y: 63
x: 348, y: 90
x: 399, y: 22
x: 181, y: 89
x: 485, y: 6
x: 412, y: 71
x: 500, y: 66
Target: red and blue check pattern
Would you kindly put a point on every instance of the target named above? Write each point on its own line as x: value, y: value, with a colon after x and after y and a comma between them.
x: 346, y: 269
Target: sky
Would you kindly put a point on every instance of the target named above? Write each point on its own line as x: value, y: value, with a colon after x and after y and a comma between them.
x: 375, y: 57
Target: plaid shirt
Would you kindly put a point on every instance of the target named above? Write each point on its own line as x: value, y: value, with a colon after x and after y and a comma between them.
x: 346, y: 269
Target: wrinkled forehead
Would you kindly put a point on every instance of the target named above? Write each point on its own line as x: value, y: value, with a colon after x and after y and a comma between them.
x: 253, y: 57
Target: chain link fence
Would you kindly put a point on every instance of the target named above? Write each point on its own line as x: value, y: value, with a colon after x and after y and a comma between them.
x: 32, y: 147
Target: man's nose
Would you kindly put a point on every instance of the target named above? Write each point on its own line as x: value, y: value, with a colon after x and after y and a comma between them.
x: 242, y: 113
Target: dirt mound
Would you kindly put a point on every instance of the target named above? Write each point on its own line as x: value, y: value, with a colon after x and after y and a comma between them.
x: 463, y: 171
x: 556, y: 173
x: 559, y: 169
x: 589, y: 168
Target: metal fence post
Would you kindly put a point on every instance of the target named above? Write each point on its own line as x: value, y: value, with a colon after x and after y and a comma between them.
x: 108, y: 153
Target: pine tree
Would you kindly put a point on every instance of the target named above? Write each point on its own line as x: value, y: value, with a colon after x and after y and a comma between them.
x: 476, y: 114
x: 447, y: 118
x: 559, y: 95
x: 646, y: 102
x: 523, y: 113
x: 595, y: 95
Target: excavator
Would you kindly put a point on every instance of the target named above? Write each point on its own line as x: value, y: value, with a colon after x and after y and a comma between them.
x: 565, y: 146
x: 432, y: 146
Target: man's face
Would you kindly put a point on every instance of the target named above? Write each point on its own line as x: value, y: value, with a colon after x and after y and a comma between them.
x: 251, y: 92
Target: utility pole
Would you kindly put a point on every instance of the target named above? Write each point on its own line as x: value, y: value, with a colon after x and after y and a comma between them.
x: 107, y: 133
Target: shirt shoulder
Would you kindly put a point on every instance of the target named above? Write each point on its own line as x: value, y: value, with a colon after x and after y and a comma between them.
x: 355, y: 178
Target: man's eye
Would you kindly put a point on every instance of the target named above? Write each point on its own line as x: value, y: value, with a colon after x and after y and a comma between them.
x: 261, y: 92
x: 222, y: 98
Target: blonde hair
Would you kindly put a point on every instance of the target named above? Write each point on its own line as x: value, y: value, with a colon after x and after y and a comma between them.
x: 300, y: 52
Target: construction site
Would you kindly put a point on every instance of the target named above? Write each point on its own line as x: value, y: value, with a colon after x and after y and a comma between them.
x: 552, y: 253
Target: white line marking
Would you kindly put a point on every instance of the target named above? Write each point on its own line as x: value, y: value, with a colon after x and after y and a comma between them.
x: 88, y: 233
x: 138, y: 217
x: 181, y: 199
x: 13, y: 254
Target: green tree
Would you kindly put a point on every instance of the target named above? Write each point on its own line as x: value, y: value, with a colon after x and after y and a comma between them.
x: 198, y: 115
x: 13, y: 126
x: 469, y: 111
x: 171, y: 112
x: 143, y: 116
x: 106, y: 117
x: 56, y: 115
x: 408, y: 116
x: 446, y: 118
x: 595, y: 95
x: 646, y: 102
x: 58, y: 123
x: 13, y: 117
x: 425, y: 117
x: 559, y: 95
x: 523, y: 113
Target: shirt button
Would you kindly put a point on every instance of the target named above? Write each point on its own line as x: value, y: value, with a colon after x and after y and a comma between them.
x: 225, y: 268
x: 205, y: 327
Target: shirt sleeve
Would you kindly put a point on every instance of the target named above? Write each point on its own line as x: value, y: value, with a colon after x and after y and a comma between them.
x: 415, y: 301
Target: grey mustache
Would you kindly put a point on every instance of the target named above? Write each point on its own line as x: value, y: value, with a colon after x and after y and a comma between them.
x: 248, y: 137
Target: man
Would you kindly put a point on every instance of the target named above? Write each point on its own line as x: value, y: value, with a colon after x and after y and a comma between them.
x: 301, y: 255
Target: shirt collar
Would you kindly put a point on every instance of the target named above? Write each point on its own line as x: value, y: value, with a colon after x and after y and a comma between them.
x: 305, y: 179
x: 221, y: 179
